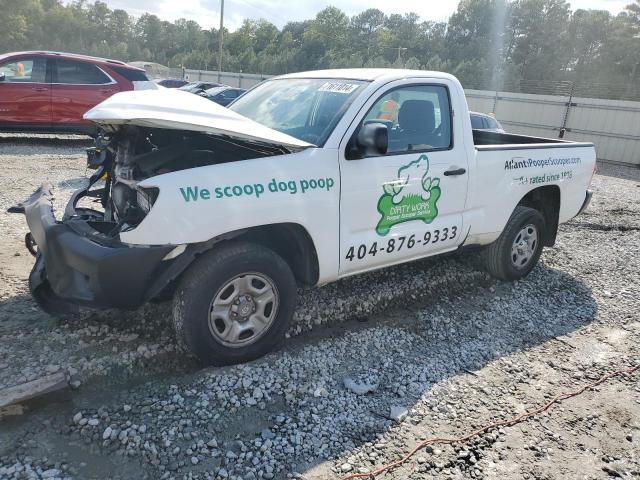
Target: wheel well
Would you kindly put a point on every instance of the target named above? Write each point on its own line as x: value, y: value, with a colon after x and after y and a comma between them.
x: 289, y: 240
x: 293, y: 243
x: 547, y: 201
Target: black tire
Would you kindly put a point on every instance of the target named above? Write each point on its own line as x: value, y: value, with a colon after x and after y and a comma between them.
x: 203, y: 281
x: 498, y: 255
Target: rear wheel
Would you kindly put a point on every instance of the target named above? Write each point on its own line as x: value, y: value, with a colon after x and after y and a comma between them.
x: 514, y: 254
x: 234, y: 304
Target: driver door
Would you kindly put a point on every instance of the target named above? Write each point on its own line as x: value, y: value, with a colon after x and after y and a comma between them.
x: 407, y: 203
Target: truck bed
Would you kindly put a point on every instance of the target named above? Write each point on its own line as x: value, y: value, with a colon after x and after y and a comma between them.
x: 510, y: 166
x: 485, y: 140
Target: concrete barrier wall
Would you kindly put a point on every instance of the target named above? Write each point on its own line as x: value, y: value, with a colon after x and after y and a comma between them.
x: 613, y: 125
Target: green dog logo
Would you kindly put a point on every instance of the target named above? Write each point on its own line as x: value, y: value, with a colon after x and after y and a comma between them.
x: 412, y: 196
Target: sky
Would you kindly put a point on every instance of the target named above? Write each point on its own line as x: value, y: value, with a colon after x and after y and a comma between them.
x: 279, y: 12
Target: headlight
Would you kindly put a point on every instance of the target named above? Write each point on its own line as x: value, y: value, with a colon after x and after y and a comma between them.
x: 146, y: 197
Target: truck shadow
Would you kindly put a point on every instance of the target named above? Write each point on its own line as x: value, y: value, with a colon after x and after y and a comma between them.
x: 406, y: 330
x: 410, y: 353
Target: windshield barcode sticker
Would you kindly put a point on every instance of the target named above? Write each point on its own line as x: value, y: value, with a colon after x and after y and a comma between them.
x: 336, y: 87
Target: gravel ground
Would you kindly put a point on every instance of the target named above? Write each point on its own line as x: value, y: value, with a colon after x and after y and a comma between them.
x: 374, y: 364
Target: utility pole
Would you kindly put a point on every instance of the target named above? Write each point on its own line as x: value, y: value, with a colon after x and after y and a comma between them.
x: 399, y: 59
x: 220, y: 39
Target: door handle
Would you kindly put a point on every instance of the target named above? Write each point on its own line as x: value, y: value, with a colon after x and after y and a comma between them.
x: 105, y: 91
x: 456, y: 171
x: 40, y: 89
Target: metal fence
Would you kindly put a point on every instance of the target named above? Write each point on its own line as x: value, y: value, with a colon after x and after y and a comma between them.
x: 240, y: 80
x: 613, y: 125
x: 629, y: 90
x: 583, y: 88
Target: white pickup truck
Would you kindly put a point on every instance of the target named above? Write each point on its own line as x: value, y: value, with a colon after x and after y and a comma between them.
x: 305, y: 179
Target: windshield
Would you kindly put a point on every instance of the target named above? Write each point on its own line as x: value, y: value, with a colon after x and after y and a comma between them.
x: 190, y: 86
x: 305, y: 108
x: 214, y: 91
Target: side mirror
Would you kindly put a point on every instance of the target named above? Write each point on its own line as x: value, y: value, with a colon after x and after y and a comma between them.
x: 2, y: 77
x: 372, y: 140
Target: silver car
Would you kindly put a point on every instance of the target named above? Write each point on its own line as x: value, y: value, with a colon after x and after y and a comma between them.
x: 482, y: 121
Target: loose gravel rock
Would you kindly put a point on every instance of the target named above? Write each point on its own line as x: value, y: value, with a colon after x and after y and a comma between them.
x: 438, y: 348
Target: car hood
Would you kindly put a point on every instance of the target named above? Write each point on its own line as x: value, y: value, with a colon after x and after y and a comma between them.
x: 179, y: 110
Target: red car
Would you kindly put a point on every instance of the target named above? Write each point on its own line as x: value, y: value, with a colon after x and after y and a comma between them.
x: 49, y: 92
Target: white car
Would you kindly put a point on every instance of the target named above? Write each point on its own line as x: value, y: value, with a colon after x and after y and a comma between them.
x: 306, y: 179
x: 482, y: 121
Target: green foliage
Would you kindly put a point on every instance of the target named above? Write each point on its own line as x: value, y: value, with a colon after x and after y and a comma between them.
x: 485, y: 42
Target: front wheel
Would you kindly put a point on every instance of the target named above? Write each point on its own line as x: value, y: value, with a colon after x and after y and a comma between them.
x: 234, y: 304
x: 514, y: 254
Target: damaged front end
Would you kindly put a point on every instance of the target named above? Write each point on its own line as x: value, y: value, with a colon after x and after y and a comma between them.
x: 78, y: 264
x: 128, y: 154
x: 81, y: 260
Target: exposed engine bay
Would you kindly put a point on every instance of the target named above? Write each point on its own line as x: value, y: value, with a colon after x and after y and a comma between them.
x: 126, y: 155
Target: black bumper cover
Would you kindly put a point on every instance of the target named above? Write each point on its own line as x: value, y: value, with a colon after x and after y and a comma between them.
x: 74, y: 269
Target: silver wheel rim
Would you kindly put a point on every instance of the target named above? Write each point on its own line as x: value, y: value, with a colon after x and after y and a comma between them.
x: 243, y: 309
x: 524, y: 246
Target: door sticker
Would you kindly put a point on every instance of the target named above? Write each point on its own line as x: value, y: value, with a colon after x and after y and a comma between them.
x: 412, y: 196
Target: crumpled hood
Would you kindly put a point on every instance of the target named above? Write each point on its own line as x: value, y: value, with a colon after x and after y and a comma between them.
x: 179, y: 110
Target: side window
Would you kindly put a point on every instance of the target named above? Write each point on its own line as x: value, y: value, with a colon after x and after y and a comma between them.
x: 476, y: 122
x: 28, y: 70
x: 492, y: 122
x: 132, y: 75
x: 69, y: 71
x: 418, y: 118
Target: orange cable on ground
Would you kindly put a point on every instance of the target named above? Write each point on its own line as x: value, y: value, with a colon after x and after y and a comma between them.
x: 491, y: 426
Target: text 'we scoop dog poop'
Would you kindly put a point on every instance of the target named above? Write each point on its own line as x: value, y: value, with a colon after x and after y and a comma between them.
x: 292, y: 187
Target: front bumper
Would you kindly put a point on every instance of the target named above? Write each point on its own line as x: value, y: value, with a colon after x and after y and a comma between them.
x: 77, y: 265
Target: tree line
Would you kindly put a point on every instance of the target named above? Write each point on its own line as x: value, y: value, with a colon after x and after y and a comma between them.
x: 486, y: 43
